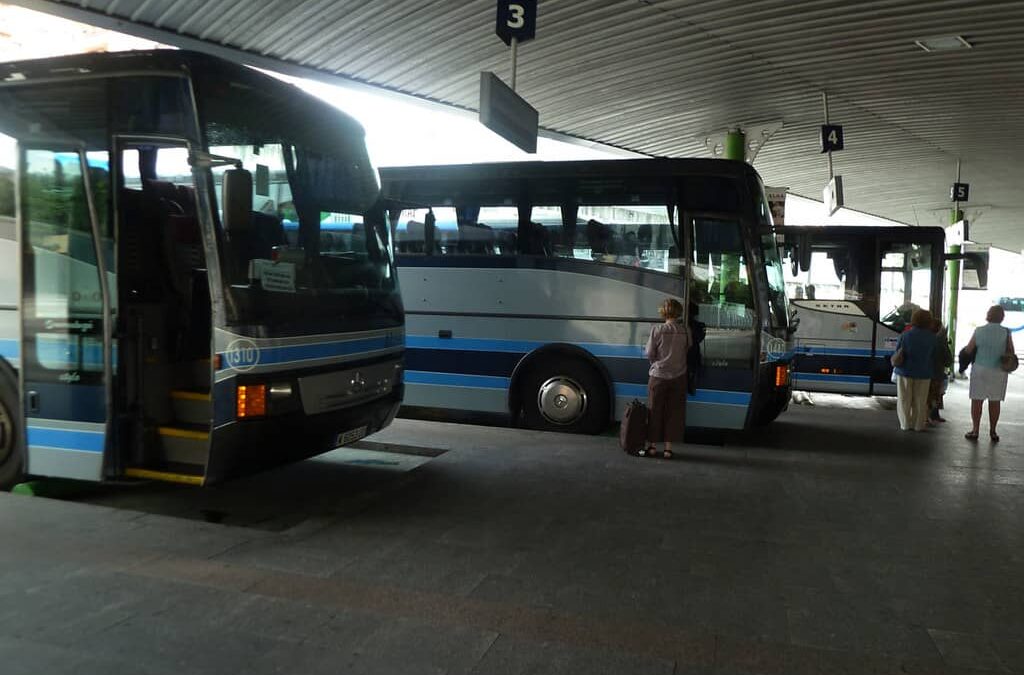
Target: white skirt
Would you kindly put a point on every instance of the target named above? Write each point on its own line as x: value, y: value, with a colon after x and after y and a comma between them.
x: 988, y: 383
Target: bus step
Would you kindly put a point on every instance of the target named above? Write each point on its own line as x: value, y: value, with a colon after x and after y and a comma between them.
x: 195, y: 374
x: 192, y: 407
x: 185, y: 474
x: 185, y: 444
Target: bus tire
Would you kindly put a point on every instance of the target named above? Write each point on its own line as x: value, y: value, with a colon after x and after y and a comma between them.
x: 11, y: 441
x: 564, y: 394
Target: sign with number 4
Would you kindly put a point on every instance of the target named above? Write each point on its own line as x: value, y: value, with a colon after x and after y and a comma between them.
x: 831, y: 137
x: 517, y: 20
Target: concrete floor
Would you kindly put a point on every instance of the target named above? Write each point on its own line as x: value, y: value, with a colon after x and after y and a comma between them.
x: 827, y: 543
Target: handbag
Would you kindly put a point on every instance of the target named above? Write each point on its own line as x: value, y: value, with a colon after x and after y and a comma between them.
x: 1008, y: 361
x: 898, y: 358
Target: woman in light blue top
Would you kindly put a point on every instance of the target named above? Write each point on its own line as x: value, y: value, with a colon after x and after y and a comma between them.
x: 988, y: 379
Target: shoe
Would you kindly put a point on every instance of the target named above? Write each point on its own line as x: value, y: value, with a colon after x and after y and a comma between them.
x: 971, y: 435
x: 994, y: 437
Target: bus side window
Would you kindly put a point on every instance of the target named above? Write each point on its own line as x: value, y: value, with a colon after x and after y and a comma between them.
x: 719, y: 284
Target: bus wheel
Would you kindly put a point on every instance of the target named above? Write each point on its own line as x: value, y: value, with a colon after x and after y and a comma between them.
x: 564, y: 395
x: 10, y: 434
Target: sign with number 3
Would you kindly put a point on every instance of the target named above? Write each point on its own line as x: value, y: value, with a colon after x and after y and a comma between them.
x: 517, y: 20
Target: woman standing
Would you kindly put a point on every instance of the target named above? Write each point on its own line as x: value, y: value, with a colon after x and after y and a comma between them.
x: 666, y: 388
x: 914, y: 371
x: 943, y: 359
x: 988, y: 379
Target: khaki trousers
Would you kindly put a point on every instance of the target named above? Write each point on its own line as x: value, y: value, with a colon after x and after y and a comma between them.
x: 912, y: 399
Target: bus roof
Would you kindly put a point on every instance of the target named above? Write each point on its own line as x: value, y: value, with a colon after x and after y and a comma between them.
x: 871, y: 231
x: 166, y: 62
x: 591, y: 168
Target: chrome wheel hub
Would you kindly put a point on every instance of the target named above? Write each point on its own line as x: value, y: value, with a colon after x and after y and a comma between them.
x: 561, y: 400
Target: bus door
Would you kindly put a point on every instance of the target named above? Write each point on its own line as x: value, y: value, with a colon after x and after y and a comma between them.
x: 65, y: 299
x: 906, y: 278
x: 832, y: 301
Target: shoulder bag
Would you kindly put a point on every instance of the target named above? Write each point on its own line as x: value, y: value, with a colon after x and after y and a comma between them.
x: 1008, y: 361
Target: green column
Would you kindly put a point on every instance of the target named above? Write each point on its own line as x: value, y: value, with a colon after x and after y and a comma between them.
x: 735, y: 147
x: 954, y: 282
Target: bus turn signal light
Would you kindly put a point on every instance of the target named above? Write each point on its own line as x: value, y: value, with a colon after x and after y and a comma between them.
x: 781, y: 376
x: 251, y: 400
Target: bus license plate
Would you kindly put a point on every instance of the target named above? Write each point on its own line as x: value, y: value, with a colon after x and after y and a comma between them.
x: 350, y: 436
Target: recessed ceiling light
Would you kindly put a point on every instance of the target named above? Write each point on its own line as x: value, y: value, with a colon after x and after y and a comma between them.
x: 943, y: 43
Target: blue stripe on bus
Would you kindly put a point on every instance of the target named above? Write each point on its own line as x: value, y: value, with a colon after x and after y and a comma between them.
x: 739, y: 398
x: 517, y: 346
x: 825, y: 377
x: 834, y: 351
x: 66, y: 439
x: 456, y: 380
x: 319, y: 350
x: 715, y: 396
x: 10, y: 349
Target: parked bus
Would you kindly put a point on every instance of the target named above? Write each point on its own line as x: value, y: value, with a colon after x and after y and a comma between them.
x: 852, y: 291
x: 531, y: 288
x: 157, y: 318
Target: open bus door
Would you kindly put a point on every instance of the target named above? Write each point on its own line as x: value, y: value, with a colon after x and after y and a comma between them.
x: 66, y: 339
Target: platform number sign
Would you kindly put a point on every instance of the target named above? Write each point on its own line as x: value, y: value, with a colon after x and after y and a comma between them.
x: 831, y: 137
x: 959, y: 192
x: 517, y: 19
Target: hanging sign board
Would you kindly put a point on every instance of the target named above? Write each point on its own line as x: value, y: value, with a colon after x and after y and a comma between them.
x: 832, y: 137
x: 516, y: 20
x: 777, y: 204
x: 832, y: 195
x: 959, y: 192
x: 507, y: 114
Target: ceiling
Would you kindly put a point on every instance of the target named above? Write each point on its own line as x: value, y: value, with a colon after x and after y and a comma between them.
x: 663, y: 76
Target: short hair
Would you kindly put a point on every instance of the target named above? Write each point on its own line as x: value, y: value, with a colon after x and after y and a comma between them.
x: 921, y: 318
x: 995, y: 314
x: 670, y: 309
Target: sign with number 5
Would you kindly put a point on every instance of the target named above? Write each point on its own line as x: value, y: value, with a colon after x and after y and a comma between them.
x: 516, y: 19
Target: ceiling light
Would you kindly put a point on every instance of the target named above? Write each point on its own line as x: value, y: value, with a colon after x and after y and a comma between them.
x: 943, y: 43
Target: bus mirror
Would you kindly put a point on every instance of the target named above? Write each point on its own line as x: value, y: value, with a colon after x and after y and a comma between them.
x: 803, y: 249
x: 236, y: 194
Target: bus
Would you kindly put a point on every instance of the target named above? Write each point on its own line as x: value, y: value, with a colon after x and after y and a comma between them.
x: 852, y: 291
x: 530, y: 288
x: 157, y: 318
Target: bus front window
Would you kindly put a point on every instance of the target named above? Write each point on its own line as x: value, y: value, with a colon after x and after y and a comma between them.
x: 905, y: 283
x: 777, y: 303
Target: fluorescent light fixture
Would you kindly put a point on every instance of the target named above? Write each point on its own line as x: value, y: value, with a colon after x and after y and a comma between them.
x: 943, y: 43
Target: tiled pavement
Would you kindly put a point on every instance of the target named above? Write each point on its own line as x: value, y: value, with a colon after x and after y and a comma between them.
x: 827, y: 543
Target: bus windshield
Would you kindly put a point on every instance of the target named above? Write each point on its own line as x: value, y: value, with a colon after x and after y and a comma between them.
x: 309, y: 247
x: 778, y: 305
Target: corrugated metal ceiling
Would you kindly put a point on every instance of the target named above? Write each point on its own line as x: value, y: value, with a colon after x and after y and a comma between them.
x: 659, y: 76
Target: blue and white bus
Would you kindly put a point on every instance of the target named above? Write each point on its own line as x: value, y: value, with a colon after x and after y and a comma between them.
x: 852, y: 291
x: 530, y: 288
x: 157, y: 317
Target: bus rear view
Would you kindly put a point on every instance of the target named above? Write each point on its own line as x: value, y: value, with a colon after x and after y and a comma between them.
x: 205, y: 290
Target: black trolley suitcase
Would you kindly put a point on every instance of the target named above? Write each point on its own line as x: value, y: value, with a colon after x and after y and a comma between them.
x: 633, y: 432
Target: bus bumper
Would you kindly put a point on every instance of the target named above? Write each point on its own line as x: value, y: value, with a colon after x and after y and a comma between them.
x: 247, y: 446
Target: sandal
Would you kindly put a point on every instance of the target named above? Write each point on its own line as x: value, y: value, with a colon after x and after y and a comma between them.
x: 650, y: 451
x: 667, y: 454
x: 994, y: 437
x: 971, y: 435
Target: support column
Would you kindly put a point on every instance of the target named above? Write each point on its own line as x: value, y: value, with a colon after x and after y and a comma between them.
x: 955, y: 216
x: 735, y: 146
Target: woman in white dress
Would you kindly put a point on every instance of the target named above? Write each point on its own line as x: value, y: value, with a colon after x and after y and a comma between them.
x: 988, y: 379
